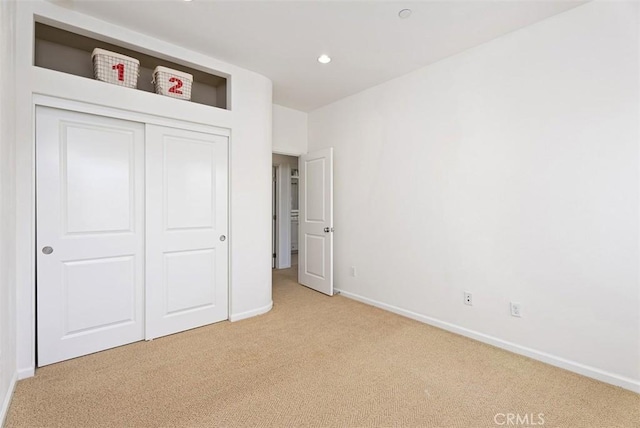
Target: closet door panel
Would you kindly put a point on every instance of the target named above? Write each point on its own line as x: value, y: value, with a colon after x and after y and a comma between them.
x: 190, y: 184
x: 186, y: 224
x: 90, y: 233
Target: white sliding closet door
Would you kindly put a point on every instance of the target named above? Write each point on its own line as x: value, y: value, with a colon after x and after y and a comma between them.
x: 90, y: 233
x: 186, y: 224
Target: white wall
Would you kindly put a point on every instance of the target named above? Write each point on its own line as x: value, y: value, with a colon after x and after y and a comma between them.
x: 7, y: 206
x: 289, y: 131
x: 249, y: 122
x: 251, y: 195
x: 509, y: 171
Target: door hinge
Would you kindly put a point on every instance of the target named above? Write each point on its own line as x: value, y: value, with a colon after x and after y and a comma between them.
x: 274, y: 217
x: 274, y: 255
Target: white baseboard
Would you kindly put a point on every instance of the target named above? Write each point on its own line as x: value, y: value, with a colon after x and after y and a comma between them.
x: 573, y: 366
x: 7, y: 399
x: 26, y: 373
x: 251, y: 313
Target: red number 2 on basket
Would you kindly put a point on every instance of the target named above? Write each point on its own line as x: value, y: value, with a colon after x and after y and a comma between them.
x: 176, y: 88
x: 120, y: 68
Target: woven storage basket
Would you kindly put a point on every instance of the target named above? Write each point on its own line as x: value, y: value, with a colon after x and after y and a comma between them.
x: 112, y: 67
x: 172, y: 83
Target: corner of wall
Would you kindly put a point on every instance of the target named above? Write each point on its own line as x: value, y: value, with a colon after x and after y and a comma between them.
x: 8, y: 353
x: 4, y: 410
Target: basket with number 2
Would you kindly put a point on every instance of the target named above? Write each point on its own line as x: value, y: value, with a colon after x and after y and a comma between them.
x: 112, y: 67
x: 172, y: 83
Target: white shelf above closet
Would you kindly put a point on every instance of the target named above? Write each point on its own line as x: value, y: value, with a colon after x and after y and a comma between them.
x: 70, y: 53
x: 71, y: 87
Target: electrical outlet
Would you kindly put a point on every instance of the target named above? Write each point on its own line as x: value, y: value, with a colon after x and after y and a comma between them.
x: 467, y: 298
x: 353, y: 271
x: 516, y: 310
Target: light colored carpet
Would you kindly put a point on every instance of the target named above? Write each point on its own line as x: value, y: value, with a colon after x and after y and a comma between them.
x: 314, y: 361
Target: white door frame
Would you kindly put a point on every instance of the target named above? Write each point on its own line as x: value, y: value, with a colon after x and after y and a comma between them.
x: 64, y: 104
x: 283, y: 216
x: 274, y: 213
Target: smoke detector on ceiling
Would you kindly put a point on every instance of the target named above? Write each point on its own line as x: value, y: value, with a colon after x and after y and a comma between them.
x: 404, y: 13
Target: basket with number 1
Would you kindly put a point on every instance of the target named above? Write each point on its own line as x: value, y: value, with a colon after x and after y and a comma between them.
x: 112, y: 67
x: 172, y: 83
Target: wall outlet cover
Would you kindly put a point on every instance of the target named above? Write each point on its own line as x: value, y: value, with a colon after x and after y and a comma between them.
x: 468, y: 298
x: 516, y: 310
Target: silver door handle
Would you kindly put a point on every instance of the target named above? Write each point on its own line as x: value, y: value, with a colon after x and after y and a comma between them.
x: 47, y: 250
x: 222, y: 238
x: 327, y: 230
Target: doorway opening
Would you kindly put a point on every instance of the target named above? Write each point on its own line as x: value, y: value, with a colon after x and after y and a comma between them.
x: 285, y: 211
x: 303, y: 223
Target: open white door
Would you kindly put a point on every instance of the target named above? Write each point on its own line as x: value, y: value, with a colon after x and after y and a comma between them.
x: 186, y: 224
x: 315, y: 247
x: 90, y: 243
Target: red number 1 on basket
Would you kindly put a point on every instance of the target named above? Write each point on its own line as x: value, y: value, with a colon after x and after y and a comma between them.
x: 176, y: 88
x: 120, y: 68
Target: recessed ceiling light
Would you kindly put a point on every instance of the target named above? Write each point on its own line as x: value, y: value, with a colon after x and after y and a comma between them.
x: 404, y: 13
x: 324, y: 59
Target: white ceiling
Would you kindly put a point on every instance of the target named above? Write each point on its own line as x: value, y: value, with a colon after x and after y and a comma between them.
x: 367, y: 41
